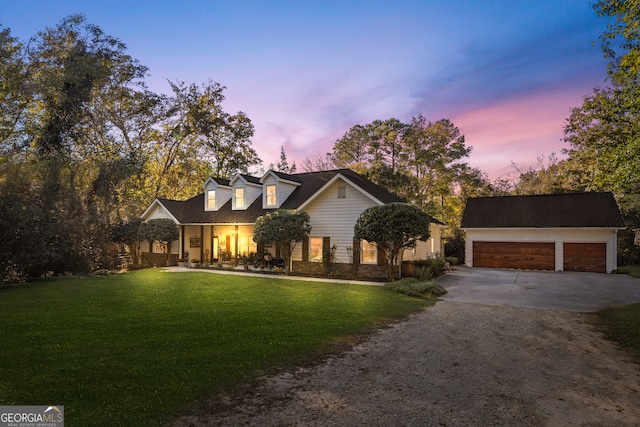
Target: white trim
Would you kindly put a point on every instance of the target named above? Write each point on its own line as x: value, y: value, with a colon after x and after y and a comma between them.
x: 330, y: 182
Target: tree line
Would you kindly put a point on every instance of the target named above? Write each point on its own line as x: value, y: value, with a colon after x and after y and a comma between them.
x: 84, y: 144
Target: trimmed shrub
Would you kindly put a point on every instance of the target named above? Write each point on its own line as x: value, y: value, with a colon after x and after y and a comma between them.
x: 436, y: 265
x: 416, y: 288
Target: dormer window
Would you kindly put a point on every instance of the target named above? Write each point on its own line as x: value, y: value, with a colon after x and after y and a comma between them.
x: 272, y: 199
x: 239, y: 197
x: 211, y: 199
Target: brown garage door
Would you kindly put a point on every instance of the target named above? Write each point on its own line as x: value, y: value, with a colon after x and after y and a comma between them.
x: 524, y: 255
x: 591, y: 257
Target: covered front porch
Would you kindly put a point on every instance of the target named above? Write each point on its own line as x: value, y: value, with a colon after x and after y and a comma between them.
x: 211, y: 243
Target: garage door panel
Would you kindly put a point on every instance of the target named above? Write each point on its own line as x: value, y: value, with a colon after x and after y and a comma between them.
x: 524, y: 255
x: 587, y: 257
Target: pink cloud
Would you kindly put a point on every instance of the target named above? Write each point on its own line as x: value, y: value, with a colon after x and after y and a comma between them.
x: 516, y: 130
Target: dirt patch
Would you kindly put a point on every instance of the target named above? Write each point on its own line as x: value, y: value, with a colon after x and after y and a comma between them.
x: 451, y: 365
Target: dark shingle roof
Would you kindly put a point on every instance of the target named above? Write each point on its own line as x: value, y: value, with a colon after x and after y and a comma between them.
x: 288, y: 177
x: 314, y: 181
x: 590, y: 210
x: 251, y: 179
x: 192, y: 211
x: 222, y: 181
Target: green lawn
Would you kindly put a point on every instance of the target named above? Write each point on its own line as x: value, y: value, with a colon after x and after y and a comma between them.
x: 622, y: 325
x: 632, y: 270
x: 136, y: 348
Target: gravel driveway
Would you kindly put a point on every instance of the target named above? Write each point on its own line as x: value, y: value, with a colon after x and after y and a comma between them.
x: 453, y: 364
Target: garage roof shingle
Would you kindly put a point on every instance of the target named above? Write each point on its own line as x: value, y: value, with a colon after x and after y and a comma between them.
x: 578, y: 210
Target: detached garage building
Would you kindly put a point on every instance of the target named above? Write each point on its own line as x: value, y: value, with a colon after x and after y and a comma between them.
x: 562, y: 232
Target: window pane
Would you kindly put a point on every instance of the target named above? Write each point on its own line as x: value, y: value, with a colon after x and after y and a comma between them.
x: 369, y: 252
x: 239, y: 197
x: 211, y: 199
x: 271, y: 195
x: 315, y: 249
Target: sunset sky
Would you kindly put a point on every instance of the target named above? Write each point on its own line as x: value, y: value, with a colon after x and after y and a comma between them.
x: 506, y: 73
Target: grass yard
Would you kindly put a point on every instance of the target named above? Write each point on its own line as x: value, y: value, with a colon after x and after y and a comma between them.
x: 622, y: 325
x: 632, y: 270
x: 137, y: 348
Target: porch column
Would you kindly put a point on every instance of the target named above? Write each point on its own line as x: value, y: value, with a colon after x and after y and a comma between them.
x: 182, y: 247
x: 211, y: 243
x: 237, y: 238
x: 202, y: 243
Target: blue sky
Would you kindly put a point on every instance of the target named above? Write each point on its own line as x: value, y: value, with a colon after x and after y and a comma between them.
x: 506, y: 73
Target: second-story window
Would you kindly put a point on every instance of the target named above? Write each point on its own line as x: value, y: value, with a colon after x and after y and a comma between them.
x: 239, y: 197
x: 211, y: 199
x: 271, y: 195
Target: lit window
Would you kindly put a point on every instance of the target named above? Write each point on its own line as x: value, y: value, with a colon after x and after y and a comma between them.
x: 239, y: 197
x: 342, y: 192
x: 271, y: 195
x: 211, y: 199
x: 315, y: 249
x: 369, y: 253
x: 159, y: 247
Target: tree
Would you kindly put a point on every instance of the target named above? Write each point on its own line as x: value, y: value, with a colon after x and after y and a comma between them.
x: 95, y: 144
x: 374, y: 150
x: 604, y: 134
x: 393, y: 228
x: 130, y: 233
x: 15, y: 92
x: 283, y: 164
x: 550, y: 177
x: 286, y: 228
x: 421, y: 162
x: 625, y: 56
x: 318, y: 163
x: 161, y: 230
x: 222, y: 139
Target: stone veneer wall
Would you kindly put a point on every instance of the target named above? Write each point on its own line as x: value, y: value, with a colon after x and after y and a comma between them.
x: 157, y: 259
x: 339, y: 270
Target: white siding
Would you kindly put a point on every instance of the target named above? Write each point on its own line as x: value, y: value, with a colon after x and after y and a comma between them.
x: 158, y: 212
x: 223, y: 194
x: 432, y: 248
x: 559, y: 236
x: 333, y: 217
x: 252, y: 192
x: 283, y: 190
